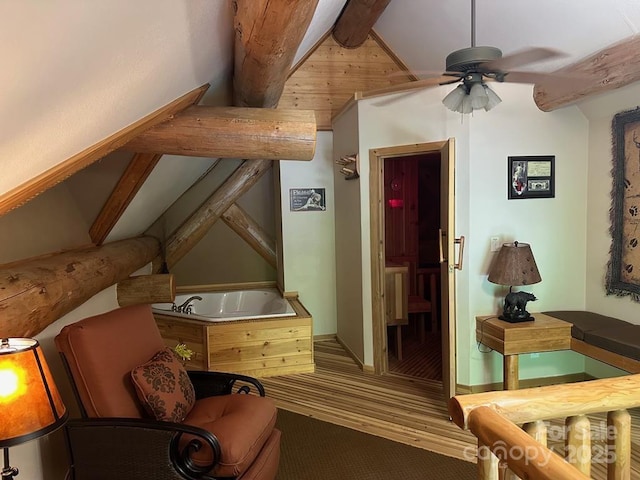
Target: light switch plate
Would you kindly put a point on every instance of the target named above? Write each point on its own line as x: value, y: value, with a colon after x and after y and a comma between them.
x: 495, y: 244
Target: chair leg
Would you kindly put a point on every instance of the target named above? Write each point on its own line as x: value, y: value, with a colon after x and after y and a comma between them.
x: 399, y: 341
x: 421, y: 320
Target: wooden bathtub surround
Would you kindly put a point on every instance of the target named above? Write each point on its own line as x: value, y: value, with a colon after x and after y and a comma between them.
x: 262, y: 347
x: 28, y: 190
x: 159, y: 288
x: 233, y: 132
x: 493, y: 418
x: 36, y: 293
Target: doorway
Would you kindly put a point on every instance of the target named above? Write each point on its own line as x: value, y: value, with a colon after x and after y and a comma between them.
x: 444, y: 240
x: 411, y: 224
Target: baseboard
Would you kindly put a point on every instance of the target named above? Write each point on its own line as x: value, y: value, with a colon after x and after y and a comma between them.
x: 354, y: 357
x: 527, y: 383
x: 322, y: 338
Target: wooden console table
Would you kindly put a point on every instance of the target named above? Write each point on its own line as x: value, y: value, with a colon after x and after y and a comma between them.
x: 544, y: 334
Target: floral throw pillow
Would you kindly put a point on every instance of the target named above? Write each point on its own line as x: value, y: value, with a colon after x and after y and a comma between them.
x: 164, y: 388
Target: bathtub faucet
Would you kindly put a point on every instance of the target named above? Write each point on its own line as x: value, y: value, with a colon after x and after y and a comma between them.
x: 185, y: 307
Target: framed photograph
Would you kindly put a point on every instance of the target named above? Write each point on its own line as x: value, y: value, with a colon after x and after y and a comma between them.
x: 530, y: 177
x: 307, y: 200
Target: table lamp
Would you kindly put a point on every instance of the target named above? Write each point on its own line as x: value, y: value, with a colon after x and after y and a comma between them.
x: 515, y: 266
x: 29, y: 400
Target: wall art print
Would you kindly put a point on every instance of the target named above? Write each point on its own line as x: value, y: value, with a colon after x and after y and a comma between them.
x: 623, y: 275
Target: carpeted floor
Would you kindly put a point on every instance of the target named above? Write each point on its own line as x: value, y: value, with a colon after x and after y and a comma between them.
x: 312, y: 449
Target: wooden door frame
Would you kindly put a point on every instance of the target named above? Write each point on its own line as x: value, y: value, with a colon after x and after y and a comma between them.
x: 376, y: 211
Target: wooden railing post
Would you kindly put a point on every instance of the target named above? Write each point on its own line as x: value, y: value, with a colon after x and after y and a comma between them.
x: 578, y: 443
x: 488, y: 463
x: 618, y: 445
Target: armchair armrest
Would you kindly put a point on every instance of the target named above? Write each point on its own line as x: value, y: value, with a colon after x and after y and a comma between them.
x: 130, y: 449
x: 209, y: 384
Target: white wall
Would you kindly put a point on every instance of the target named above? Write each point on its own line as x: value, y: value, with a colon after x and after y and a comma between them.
x: 347, y: 240
x: 555, y: 227
x: 84, y: 71
x: 308, y: 237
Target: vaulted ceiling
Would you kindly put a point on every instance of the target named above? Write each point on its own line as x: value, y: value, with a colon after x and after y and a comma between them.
x: 76, y: 73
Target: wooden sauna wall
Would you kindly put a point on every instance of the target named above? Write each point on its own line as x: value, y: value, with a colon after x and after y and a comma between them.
x: 259, y: 348
x: 411, y: 230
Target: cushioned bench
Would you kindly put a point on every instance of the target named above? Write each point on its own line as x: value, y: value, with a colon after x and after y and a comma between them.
x: 607, y: 339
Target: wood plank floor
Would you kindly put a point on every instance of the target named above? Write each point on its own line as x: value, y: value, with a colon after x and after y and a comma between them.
x: 400, y: 408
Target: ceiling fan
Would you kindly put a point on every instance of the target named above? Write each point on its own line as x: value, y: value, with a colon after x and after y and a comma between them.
x: 474, y: 65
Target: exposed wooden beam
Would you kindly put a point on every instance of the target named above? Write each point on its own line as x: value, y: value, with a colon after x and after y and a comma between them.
x: 613, y: 67
x: 268, y: 34
x: 36, y: 293
x: 159, y: 288
x: 34, y: 187
x: 139, y: 168
x: 252, y: 233
x: 200, y: 222
x: 356, y: 20
x: 233, y: 132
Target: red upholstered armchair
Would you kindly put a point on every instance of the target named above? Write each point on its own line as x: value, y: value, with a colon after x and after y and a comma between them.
x: 144, y: 416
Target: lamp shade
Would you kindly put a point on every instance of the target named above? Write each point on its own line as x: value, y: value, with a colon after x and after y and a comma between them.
x: 514, y: 266
x: 29, y: 400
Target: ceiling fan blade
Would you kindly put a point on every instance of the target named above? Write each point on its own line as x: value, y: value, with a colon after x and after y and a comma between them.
x: 405, y: 89
x: 425, y: 73
x: 407, y: 86
x: 546, y: 78
x: 522, y: 57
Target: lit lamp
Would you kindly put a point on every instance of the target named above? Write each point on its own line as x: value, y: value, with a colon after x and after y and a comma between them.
x: 29, y: 400
x: 515, y: 266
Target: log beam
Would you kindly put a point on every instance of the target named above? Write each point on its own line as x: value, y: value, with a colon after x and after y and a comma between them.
x: 28, y: 190
x: 356, y: 20
x: 268, y: 34
x: 233, y: 132
x: 252, y: 233
x: 201, y: 221
x: 36, y: 293
x: 146, y: 289
x: 613, y: 67
x: 139, y: 168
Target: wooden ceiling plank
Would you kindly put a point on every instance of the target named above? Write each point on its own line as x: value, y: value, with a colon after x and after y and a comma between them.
x: 612, y: 67
x: 139, y: 168
x: 268, y: 34
x: 251, y: 232
x: 356, y: 20
x: 233, y: 132
x: 51, y: 177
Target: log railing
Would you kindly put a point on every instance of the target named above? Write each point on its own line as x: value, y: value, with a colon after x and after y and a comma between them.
x: 493, y: 417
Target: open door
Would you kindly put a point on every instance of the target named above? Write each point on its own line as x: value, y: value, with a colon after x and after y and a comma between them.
x: 447, y: 243
x: 448, y: 266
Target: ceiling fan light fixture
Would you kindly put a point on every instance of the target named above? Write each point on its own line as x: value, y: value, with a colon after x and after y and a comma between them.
x: 478, y: 96
x: 492, y: 97
x: 466, y: 106
x: 453, y: 100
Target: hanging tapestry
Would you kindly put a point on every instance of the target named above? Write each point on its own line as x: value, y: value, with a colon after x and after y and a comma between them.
x: 623, y: 276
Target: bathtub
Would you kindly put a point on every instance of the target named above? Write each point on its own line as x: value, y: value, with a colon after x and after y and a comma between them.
x: 232, y: 305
